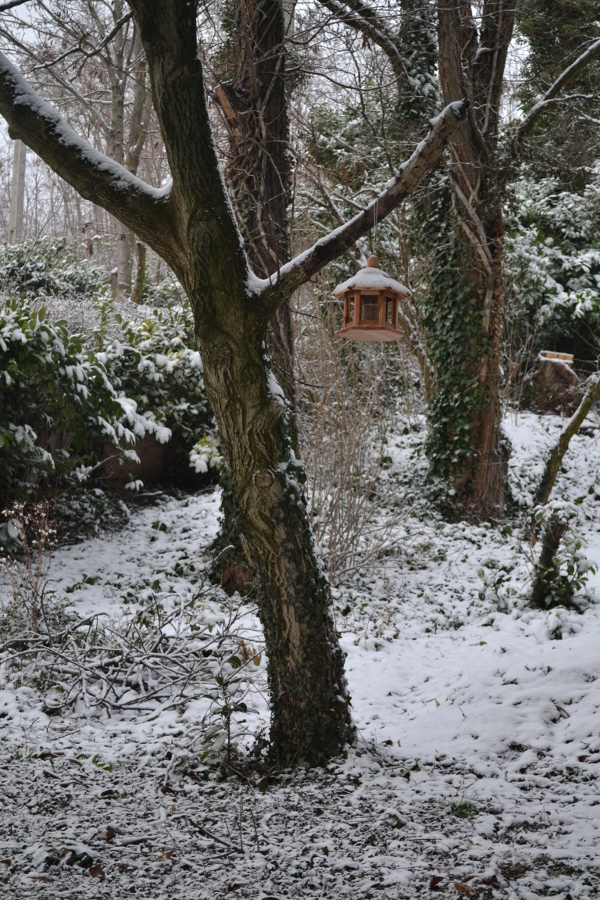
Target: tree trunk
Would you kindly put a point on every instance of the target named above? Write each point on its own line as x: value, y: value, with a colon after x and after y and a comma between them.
x: 309, y: 700
x: 254, y: 103
x: 547, y: 572
x: 128, y: 152
x: 465, y: 444
x: 556, y: 457
x: 140, y: 273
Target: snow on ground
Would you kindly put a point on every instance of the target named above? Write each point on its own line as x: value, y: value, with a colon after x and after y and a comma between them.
x: 478, y: 720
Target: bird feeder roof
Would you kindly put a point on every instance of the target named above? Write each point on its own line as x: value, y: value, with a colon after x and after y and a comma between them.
x: 371, y: 278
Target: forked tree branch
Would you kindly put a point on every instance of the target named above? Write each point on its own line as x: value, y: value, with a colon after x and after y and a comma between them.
x: 93, y: 175
x: 424, y: 158
x: 564, y: 80
x: 363, y: 19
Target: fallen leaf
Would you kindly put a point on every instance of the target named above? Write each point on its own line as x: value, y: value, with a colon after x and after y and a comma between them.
x: 516, y: 871
x: 166, y: 855
x: 462, y: 888
x: 96, y: 872
x: 434, y: 881
x: 110, y: 833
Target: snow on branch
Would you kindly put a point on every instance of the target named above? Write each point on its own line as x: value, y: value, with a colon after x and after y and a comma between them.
x: 281, y: 285
x: 564, y: 80
x: 95, y: 176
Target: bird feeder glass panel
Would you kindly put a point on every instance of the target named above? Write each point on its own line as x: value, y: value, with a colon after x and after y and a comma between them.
x: 371, y: 304
x: 369, y: 307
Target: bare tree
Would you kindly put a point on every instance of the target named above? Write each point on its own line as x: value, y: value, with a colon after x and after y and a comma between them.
x: 93, y: 56
x: 190, y: 224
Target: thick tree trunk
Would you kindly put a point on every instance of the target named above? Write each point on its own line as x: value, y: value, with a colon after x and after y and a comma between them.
x: 463, y: 320
x: 254, y: 103
x: 465, y: 442
x: 310, y: 704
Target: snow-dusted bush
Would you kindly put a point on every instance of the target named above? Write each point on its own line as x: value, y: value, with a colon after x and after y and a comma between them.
x: 87, y: 396
x: 48, y: 267
x: 58, y: 408
x: 206, y: 454
x: 553, y: 261
x: 155, y: 362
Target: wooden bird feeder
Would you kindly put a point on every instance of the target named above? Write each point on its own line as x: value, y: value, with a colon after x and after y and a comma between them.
x: 371, y: 304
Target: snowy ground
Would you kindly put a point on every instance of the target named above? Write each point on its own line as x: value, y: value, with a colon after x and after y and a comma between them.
x: 475, y: 773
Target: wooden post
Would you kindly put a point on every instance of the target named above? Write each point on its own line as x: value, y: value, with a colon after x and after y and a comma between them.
x: 17, y: 194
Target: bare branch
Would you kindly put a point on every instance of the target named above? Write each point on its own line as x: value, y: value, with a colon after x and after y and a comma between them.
x: 96, y: 177
x: 422, y: 161
x: 362, y: 18
x: 79, y: 49
x: 564, y: 79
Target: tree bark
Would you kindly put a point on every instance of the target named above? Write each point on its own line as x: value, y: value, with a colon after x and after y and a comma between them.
x: 547, y: 572
x: 254, y: 104
x: 140, y: 273
x: 309, y: 699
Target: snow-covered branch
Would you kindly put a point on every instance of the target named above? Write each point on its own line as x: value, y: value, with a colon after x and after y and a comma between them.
x: 424, y: 158
x: 95, y: 176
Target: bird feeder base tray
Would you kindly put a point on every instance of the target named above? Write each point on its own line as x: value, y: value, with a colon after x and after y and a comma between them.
x: 377, y: 333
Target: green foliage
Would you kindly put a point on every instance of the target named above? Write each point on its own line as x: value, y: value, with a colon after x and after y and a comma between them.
x: 85, y: 404
x: 568, y: 571
x: 454, y: 340
x: 48, y: 267
x: 57, y: 407
x: 156, y: 363
x: 464, y: 808
x: 553, y: 265
x: 565, y: 139
x: 168, y: 293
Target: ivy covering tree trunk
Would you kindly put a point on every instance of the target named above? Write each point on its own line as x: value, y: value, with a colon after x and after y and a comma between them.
x: 190, y: 224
